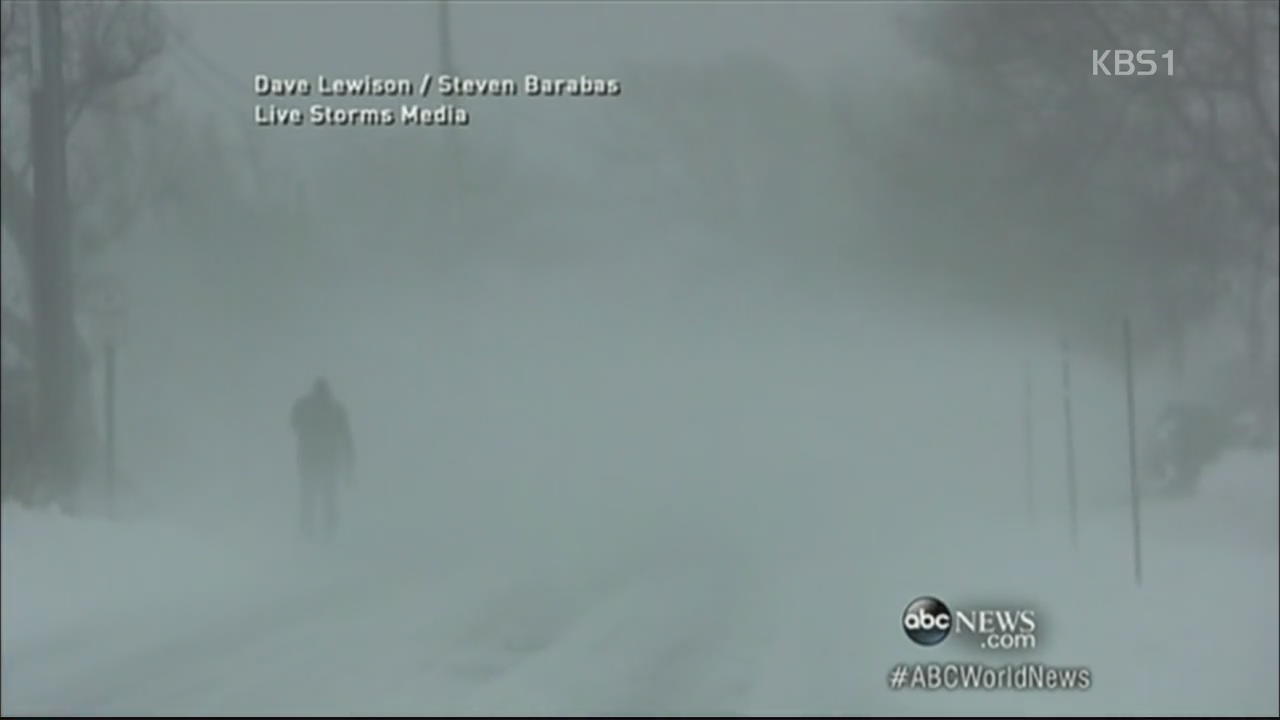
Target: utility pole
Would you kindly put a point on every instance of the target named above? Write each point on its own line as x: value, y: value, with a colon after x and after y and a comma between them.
x: 456, y: 180
x: 446, y: 46
x: 52, y: 293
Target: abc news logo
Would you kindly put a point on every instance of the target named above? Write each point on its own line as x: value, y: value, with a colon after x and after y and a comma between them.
x: 928, y: 621
x: 1126, y: 63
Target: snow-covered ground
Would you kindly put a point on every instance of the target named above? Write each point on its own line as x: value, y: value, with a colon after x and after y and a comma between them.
x: 138, y: 617
x: 578, y: 495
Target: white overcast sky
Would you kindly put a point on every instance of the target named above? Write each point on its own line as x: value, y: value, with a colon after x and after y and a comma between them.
x: 289, y: 38
x: 532, y: 35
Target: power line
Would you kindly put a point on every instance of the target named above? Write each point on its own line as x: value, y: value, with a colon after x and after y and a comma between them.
x: 227, y: 89
x: 215, y: 70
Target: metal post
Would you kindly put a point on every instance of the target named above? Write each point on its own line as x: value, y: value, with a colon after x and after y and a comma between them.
x: 1072, y: 504
x: 1133, y: 452
x: 109, y: 409
x: 1028, y: 444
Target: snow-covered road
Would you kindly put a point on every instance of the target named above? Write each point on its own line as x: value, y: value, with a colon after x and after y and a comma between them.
x: 408, y: 641
x: 104, y: 618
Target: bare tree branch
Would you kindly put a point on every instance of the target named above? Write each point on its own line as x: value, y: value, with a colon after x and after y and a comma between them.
x: 109, y: 44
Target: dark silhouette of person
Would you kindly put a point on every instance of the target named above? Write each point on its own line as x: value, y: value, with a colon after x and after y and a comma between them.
x: 326, y: 457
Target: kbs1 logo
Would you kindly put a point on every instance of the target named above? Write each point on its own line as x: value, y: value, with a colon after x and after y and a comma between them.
x: 928, y: 621
x: 1126, y: 63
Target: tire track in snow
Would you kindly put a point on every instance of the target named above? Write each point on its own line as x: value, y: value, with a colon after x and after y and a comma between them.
x: 661, y: 644
x: 390, y: 640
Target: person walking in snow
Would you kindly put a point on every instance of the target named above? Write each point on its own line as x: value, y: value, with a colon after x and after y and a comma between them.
x: 326, y: 457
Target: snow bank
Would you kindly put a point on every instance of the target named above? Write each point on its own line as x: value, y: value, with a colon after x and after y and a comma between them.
x: 64, y: 574
x: 1198, y: 637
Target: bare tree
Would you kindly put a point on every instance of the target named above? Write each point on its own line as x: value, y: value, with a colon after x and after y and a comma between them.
x: 1195, y: 151
x: 105, y: 47
x: 108, y: 46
